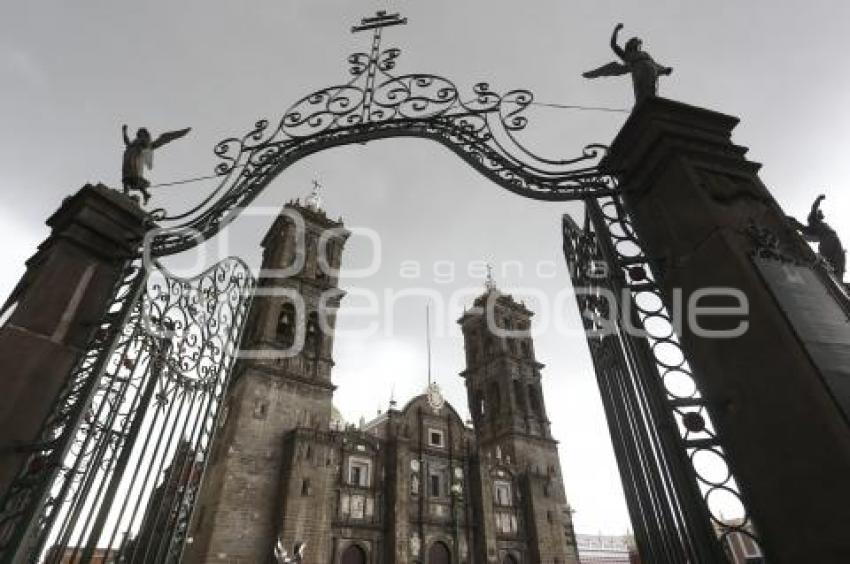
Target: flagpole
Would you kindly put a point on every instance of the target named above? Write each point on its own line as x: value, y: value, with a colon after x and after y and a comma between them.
x: 428, y: 337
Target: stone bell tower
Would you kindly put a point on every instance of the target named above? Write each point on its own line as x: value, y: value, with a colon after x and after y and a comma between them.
x: 503, y: 382
x: 282, y: 381
x: 502, y: 375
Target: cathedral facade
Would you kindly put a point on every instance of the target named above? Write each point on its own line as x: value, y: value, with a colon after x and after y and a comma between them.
x: 415, y: 485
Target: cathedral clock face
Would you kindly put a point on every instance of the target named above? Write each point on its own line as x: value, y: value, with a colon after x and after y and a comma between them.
x: 435, y: 398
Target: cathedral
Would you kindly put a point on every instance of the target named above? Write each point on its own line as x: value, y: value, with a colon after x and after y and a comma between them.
x: 414, y: 485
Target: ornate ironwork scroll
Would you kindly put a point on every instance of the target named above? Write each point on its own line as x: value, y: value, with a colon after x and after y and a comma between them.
x: 481, y: 127
x: 681, y: 494
x: 132, y: 444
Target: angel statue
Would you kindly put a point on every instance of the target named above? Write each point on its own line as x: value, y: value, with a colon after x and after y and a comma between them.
x: 817, y: 230
x: 644, y: 70
x: 138, y: 154
x: 281, y: 557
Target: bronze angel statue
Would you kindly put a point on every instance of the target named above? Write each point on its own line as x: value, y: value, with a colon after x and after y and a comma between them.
x: 818, y: 231
x: 138, y: 154
x: 644, y: 70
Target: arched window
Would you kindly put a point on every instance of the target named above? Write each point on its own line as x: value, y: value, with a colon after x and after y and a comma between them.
x: 322, y: 266
x: 509, y: 559
x: 472, y: 352
x: 519, y: 396
x: 285, y: 332
x: 479, y: 404
x: 526, y: 349
x: 495, y: 398
x: 353, y: 555
x: 534, y: 400
x: 488, y: 348
x: 313, y: 337
x: 502, y: 493
x: 439, y: 554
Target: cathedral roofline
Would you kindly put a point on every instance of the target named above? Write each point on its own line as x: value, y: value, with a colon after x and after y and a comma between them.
x: 423, y: 398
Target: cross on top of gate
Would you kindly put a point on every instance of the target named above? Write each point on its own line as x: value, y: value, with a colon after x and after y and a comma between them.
x: 377, y: 102
x: 380, y: 20
x: 377, y: 23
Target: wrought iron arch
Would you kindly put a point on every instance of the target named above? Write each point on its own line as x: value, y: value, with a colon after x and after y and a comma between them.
x: 159, y: 361
x: 378, y: 104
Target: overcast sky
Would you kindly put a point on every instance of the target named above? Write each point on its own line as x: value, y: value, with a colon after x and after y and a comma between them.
x: 72, y: 72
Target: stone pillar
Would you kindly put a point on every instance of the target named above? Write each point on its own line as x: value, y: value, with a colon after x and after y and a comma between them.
x: 484, y: 547
x: 702, y: 213
x: 398, y: 495
x: 55, y: 307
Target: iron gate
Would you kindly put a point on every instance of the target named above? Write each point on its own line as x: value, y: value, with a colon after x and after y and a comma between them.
x: 122, y: 456
x: 122, y: 453
x: 671, y: 462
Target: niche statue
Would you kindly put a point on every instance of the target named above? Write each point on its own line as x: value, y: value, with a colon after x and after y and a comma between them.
x: 644, y: 70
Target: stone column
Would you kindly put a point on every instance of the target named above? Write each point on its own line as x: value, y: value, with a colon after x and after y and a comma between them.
x: 55, y: 307
x: 484, y: 549
x: 398, y: 496
x: 775, y: 392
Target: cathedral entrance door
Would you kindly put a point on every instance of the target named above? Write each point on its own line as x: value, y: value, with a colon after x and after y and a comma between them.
x: 353, y: 555
x: 439, y: 554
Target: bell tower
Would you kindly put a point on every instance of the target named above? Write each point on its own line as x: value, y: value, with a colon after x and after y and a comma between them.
x: 281, y: 381
x: 290, y: 329
x: 502, y: 374
x: 504, y: 390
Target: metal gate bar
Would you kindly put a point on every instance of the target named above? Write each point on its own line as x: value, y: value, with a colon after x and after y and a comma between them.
x: 27, y: 505
x: 138, y: 425
x: 656, y: 433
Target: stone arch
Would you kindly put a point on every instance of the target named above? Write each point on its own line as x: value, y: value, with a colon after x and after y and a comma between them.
x: 285, y: 329
x: 439, y: 553
x: 313, y: 336
x: 535, y: 400
x: 353, y: 554
x: 519, y: 397
x: 509, y: 558
x: 495, y: 397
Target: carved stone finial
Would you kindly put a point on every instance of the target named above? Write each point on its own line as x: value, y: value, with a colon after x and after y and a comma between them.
x: 314, y: 200
x: 490, y: 283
